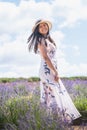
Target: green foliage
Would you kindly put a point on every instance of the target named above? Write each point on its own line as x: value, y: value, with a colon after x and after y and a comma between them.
x: 33, y: 79
x: 82, y: 91
x: 78, y: 77
x: 13, y: 108
x: 2, y: 118
x: 81, y: 103
x: 5, y: 80
x: 81, y: 100
x: 75, y: 77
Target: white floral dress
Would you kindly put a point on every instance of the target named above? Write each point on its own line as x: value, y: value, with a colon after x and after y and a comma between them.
x: 54, y: 93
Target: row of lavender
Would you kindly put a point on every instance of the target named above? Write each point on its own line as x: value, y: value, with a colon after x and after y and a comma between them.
x: 11, y: 86
x: 20, y: 107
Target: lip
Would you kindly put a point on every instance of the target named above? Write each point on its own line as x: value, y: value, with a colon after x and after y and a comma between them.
x: 44, y: 29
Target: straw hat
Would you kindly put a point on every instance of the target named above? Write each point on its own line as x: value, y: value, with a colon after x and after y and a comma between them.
x: 42, y: 21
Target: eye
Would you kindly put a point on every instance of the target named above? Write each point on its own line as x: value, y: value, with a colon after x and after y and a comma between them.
x: 40, y: 26
x: 44, y: 25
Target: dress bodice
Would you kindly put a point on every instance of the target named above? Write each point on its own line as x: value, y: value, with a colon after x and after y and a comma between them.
x: 51, y: 49
x: 51, y: 52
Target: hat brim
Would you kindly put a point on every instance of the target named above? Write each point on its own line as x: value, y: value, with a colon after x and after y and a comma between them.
x: 43, y: 21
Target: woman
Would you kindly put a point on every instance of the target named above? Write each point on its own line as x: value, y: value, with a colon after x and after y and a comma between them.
x: 53, y: 92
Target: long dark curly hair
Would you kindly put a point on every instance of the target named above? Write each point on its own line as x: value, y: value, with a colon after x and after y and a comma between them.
x: 36, y: 38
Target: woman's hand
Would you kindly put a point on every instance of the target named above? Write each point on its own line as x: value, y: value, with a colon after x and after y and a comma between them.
x: 56, y: 77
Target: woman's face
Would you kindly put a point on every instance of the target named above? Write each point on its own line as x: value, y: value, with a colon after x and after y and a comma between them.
x: 43, y: 28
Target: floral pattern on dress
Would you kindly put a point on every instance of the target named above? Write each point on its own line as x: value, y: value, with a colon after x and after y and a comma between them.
x: 54, y: 94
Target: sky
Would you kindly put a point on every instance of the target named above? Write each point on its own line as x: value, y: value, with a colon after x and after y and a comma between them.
x: 69, y: 31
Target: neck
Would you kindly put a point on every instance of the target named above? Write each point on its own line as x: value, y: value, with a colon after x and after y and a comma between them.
x: 45, y: 36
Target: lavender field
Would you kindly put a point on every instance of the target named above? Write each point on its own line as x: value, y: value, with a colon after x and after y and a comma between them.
x: 20, y: 107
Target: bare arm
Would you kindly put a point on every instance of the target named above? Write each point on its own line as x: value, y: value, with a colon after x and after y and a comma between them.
x: 43, y: 52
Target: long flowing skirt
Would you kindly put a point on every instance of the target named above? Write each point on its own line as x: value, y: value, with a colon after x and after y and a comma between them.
x: 55, y: 94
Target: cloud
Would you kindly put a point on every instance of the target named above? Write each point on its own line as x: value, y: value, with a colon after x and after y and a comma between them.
x: 70, y: 10
x: 16, y: 23
x: 16, y: 19
x: 76, y: 50
x: 67, y: 69
x: 73, y: 49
